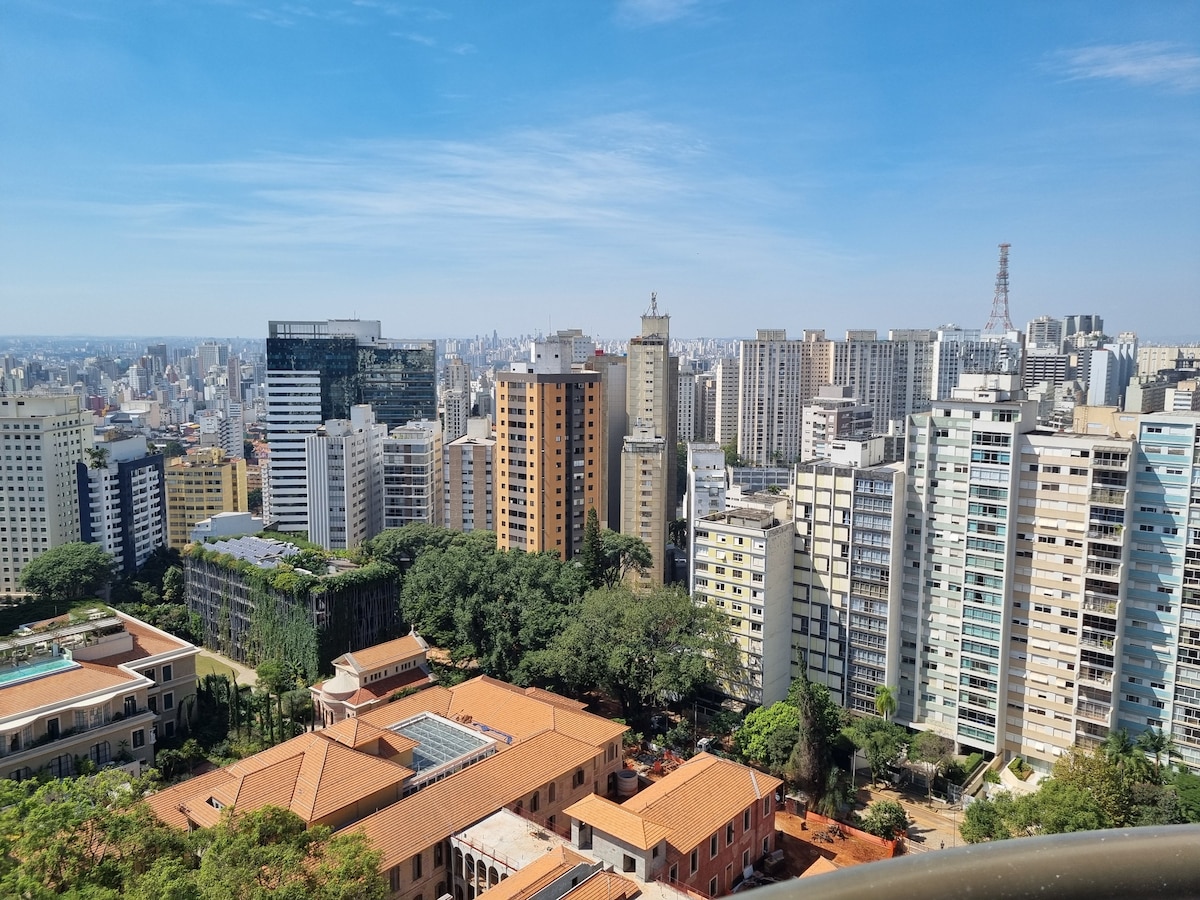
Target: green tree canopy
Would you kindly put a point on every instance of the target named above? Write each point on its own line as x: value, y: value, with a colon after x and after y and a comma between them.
x: 622, y: 554
x: 768, y: 735
x: 93, y: 838
x: 68, y: 572
x: 933, y: 749
x: 489, y: 606
x: 401, y: 547
x: 811, y: 764
x: 886, y: 819
x: 641, y: 648
x: 880, y: 741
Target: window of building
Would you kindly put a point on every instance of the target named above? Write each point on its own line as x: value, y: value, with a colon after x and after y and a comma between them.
x: 416, y: 863
x: 535, y: 801
x: 695, y: 861
x: 628, y: 863
x: 673, y: 875
x: 745, y: 821
x: 728, y: 834
x: 712, y: 886
x: 394, y: 878
x: 577, y: 779
x: 139, y: 738
x: 712, y: 847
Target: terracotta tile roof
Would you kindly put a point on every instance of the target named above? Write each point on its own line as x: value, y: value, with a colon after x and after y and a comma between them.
x: 617, y: 821
x: 540, y: 873
x: 381, y: 654
x: 165, y: 804
x: 357, y: 734
x: 380, y: 690
x: 701, y: 797
x: 520, y: 715
x: 311, y: 775
x: 60, y: 687
x: 434, y: 699
x: 449, y: 805
x: 604, y: 886
x: 820, y: 866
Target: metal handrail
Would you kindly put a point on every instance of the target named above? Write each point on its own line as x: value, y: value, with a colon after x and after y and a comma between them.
x: 1153, y: 862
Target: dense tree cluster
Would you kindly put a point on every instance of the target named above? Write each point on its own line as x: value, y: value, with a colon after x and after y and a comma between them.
x: 68, y: 572
x: 94, y: 838
x: 1120, y: 784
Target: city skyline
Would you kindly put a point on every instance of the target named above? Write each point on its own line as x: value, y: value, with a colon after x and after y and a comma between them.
x: 756, y: 166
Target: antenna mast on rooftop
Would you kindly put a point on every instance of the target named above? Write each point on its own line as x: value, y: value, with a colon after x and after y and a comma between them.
x: 1000, y: 320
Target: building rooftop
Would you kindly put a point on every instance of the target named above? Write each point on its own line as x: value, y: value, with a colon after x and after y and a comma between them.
x: 438, y: 742
x: 264, y: 552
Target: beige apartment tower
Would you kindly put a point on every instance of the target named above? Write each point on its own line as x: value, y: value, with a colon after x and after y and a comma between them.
x: 648, y: 457
x: 45, y: 437
x: 199, y: 486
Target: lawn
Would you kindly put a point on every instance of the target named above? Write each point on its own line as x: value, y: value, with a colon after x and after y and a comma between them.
x: 206, y: 665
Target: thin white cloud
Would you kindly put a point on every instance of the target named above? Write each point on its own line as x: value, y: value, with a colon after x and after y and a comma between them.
x: 624, y: 185
x: 655, y: 12
x: 1143, y: 63
x: 416, y: 38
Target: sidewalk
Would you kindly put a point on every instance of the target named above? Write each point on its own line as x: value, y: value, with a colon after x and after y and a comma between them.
x: 933, y: 826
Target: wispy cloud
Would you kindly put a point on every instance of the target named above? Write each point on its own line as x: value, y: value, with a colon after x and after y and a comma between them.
x: 613, y: 182
x: 1145, y: 63
x: 638, y: 13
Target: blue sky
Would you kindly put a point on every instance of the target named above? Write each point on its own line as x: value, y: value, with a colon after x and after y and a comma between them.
x: 185, y: 166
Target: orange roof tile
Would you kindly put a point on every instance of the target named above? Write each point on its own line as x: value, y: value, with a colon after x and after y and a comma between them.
x: 310, y: 775
x: 604, y: 886
x: 381, y: 654
x: 165, y: 803
x: 820, y: 866
x: 434, y: 699
x: 447, y: 806
x: 381, y: 690
x: 543, y: 871
x: 617, y: 821
x: 700, y: 797
x: 60, y: 687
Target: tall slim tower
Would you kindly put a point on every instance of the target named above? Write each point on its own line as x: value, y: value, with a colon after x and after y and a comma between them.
x: 1000, y: 320
x: 549, y: 453
x: 648, y: 456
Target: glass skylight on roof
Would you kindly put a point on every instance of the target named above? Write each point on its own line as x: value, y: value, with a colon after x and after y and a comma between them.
x: 440, y: 741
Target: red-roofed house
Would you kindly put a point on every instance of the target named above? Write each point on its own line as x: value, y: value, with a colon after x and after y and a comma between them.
x: 366, y: 678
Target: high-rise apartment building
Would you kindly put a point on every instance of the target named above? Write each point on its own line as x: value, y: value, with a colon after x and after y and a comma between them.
x: 648, y: 455
x: 344, y: 459
x: 705, y: 419
x: 847, y: 605
x: 1160, y: 641
x: 315, y: 372
x: 46, y: 436
x: 456, y: 399
x: 470, y: 483
x: 777, y: 378
x: 864, y: 364
x: 965, y: 351
x: 686, y: 430
x: 614, y: 372
x: 123, y: 500
x: 412, y: 475
x: 726, y: 397
x: 835, y: 413
x: 1044, y: 333
x: 742, y: 567
x: 549, y: 451
x: 199, y: 486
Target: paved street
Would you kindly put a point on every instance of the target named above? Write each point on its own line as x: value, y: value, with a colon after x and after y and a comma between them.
x: 932, y: 826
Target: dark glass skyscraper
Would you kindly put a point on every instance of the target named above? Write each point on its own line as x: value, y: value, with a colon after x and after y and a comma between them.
x: 315, y: 372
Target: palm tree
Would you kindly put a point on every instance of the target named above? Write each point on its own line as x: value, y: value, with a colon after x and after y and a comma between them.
x: 885, y: 701
x: 1156, y: 743
x: 1122, y: 751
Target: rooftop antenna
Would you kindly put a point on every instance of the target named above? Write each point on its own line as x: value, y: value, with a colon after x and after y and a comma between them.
x: 653, y: 304
x: 999, y: 319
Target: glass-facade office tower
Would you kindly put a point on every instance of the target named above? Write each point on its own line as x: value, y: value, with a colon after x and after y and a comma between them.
x: 316, y: 371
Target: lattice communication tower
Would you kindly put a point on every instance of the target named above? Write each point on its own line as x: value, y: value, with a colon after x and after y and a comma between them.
x: 999, y: 319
